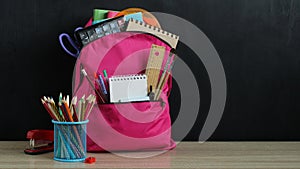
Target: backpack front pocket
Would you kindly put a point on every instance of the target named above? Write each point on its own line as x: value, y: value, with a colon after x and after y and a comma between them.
x: 137, y: 119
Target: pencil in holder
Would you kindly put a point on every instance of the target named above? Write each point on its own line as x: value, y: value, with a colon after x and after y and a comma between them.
x: 69, y: 141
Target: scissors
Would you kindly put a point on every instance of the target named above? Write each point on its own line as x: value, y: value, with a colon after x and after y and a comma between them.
x: 73, y: 43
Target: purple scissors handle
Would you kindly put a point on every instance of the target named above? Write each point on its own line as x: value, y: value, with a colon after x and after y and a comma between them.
x: 73, y: 44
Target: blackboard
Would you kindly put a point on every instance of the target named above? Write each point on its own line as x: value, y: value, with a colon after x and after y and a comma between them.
x: 257, y: 41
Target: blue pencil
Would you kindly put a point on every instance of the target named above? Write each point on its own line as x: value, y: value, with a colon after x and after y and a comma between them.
x: 102, y: 85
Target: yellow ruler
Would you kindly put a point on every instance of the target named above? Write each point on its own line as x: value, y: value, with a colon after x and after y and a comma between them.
x: 155, y: 61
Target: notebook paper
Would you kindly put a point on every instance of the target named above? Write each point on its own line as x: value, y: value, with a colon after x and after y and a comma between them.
x: 128, y: 88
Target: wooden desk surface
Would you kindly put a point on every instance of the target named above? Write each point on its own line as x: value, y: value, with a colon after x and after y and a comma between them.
x: 186, y: 155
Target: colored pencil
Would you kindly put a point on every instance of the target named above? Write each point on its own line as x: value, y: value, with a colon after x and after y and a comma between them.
x: 48, y: 110
x: 63, y: 111
x: 79, y: 110
x: 73, y: 108
x: 92, y: 85
x: 73, y: 112
x: 69, y: 143
x: 68, y: 111
x: 92, y: 103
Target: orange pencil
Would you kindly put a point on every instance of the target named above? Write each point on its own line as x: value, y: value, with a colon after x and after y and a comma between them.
x: 68, y: 110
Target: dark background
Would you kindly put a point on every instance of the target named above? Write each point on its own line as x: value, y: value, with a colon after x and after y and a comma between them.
x: 258, y: 43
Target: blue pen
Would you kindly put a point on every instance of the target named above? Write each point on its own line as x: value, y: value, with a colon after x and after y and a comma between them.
x: 102, y: 85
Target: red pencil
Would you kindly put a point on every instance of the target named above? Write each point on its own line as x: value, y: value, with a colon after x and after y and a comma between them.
x: 48, y: 110
x: 68, y: 110
x: 74, y: 113
x: 63, y: 111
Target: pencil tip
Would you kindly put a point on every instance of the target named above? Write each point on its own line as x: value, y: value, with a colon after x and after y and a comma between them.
x: 75, y: 100
x: 83, y: 72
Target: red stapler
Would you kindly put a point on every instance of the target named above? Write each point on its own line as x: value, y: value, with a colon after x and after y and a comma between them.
x: 40, y: 141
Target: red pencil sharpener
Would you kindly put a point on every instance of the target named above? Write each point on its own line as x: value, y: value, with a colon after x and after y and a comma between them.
x: 40, y: 141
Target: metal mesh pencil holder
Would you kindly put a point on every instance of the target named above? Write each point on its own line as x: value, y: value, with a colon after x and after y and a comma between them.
x: 69, y: 141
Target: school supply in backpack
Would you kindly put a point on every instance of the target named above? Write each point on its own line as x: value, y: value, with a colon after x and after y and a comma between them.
x: 128, y: 88
x: 171, y: 39
x: 105, y: 27
x: 148, y: 18
x: 100, y: 14
x: 112, y: 14
x: 155, y: 60
x: 165, y: 75
x: 101, y: 29
x: 72, y: 42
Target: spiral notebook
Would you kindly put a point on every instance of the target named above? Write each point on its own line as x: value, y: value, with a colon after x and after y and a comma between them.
x: 128, y: 88
x: 135, y: 25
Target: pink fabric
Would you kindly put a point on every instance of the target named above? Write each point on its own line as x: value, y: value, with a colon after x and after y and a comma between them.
x: 89, y: 23
x: 125, y: 126
x: 112, y: 14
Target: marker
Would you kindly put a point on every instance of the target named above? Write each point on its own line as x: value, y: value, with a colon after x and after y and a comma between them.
x: 106, y: 83
x: 102, y: 85
x: 105, y: 73
x: 105, y: 76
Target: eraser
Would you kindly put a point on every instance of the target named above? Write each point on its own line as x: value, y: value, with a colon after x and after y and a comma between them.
x: 90, y: 160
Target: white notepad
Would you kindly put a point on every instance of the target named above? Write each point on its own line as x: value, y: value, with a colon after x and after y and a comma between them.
x: 128, y: 88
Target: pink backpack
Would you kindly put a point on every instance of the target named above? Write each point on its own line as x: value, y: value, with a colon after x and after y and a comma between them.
x: 124, y: 126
